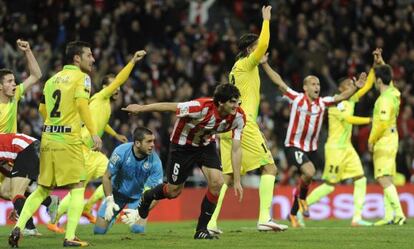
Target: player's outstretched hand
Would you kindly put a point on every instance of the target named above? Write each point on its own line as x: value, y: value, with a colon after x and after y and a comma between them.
x: 23, y: 45
x: 111, y: 206
x: 97, y: 143
x: 238, y: 190
x: 138, y: 56
x: 361, y: 80
x: 121, y: 138
x: 266, y: 12
x: 133, y: 108
x: 130, y: 216
x: 378, y: 60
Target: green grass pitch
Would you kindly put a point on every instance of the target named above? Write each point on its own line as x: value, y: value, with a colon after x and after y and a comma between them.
x: 333, y: 234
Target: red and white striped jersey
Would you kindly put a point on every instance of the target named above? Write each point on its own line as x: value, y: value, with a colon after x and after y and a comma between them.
x: 198, y: 122
x: 305, y: 120
x: 11, y: 144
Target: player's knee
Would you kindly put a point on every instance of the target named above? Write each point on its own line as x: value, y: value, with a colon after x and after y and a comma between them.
x: 137, y: 228
x: 269, y: 169
x: 100, y: 230
x: 215, y: 185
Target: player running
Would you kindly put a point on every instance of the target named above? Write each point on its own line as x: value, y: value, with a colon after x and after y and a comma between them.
x: 305, y: 122
x: 193, y: 143
x: 256, y: 155
x: 65, y: 106
x: 95, y: 161
x: 341, y: 160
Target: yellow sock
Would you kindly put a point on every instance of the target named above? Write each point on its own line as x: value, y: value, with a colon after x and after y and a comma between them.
x: 388, y: 212
x: 96, y: 196
x: 213, y: 221
x: 31, y: 205
x: 392, y: 195
x: 360, y: 188
x: 319, y: 192
x: 266, y: 187
x: 63, y: 208
x: 74, y: 211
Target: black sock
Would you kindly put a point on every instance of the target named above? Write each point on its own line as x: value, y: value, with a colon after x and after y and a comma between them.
x: 156, y: 193
x: 47, y: 201
x: 18, y: 204
x: 303, y: 191
x: 207, y: 210
x: 295, y: 207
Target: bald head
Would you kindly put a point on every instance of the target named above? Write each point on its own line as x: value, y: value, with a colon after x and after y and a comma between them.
x: 311, y: 86
x: 309, y: 79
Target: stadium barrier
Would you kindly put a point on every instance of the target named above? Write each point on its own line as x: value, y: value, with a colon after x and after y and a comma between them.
x: 338, y: 204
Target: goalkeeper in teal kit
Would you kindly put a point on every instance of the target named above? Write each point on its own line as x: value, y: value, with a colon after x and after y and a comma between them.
x: 132, y: 168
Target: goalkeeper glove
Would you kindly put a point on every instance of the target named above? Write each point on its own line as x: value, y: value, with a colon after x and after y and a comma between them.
x: 111, y: 206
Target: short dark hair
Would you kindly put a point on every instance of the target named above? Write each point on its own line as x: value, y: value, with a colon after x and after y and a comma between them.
x: 244, y: 42
x: 140, y: 132
x: 384, y: 72
x: 4, y: 72
x: 225, y: 92
x: 106, y: 80
x: 75, y: 48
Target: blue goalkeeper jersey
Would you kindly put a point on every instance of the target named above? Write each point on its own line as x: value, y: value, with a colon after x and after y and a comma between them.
x: 131, y: 175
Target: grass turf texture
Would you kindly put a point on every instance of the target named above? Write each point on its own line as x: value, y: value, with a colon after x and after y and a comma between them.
x: 237, y: 234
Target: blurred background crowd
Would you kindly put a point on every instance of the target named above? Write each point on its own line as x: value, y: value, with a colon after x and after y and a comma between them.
x: 191, y: 47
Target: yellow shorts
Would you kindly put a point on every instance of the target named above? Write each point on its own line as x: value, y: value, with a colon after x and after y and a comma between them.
x: 96, y: 163
x: 60, y: 163
x: 341, y: 164
x: 384, y: 156
x: 254, y: 150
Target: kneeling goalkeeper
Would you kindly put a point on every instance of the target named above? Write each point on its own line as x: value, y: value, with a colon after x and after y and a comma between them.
x: 132, y: 168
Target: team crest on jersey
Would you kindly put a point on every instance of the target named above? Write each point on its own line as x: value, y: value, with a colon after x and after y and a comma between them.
x: 146, y: 165
x: 87, y: 82
x: 185, y: 110
x: 174, y: 178
x: 114, y: 158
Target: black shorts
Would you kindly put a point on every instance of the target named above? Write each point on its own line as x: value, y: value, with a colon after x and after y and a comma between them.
x: 297, y: 157
x: 26, y: 163
x: 182, y: 159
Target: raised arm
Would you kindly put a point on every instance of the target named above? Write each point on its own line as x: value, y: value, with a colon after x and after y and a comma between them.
x: 349, y: 92
x: 34, y: 69
x: 378, y: 60
x: 275, y: 77
x: 156, y: 107
x: 123, y: 75
x: 264, y: 37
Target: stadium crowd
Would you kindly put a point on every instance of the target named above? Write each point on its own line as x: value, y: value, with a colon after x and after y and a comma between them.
x: 192, y: 45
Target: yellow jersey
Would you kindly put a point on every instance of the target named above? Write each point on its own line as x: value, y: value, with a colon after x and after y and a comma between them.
x: 63, y: 122
x: 8, y: 112
x: 245, y: 75
x: 341, y: 117
x: 386, y: 110
x: 100, y: 105
x: 340, y: 130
